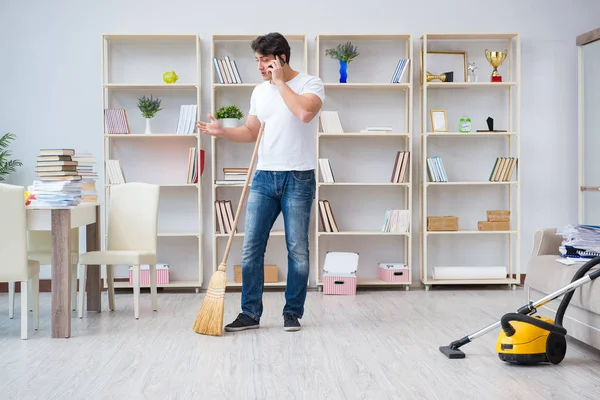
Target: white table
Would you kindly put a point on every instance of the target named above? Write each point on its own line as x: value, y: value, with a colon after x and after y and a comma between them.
x: 60, y: 221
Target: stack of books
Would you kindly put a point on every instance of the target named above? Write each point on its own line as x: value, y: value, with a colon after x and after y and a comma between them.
x: 85, y: 168
x: 233, y: 176
x: 59, y: 182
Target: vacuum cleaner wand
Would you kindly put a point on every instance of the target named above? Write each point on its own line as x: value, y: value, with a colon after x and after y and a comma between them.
x: 453, y: 351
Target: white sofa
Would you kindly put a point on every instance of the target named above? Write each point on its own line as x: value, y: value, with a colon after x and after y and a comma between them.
x: 545, y: 275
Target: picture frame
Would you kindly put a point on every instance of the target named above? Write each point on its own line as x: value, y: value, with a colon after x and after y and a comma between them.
x: 439, y: 120
x: 442, y: 61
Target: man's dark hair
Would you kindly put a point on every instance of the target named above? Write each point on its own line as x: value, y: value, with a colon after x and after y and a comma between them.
x: 272, y: 43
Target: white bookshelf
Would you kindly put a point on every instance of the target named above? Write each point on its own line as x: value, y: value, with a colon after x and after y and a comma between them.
x: 362, y: 162
x: 468, y: 158
x: 227, y: 154
x: 133, y: 66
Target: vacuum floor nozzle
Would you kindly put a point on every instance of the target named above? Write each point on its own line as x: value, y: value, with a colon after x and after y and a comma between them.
x: 451, y: 353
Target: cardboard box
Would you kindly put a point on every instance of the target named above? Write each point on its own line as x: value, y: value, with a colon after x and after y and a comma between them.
x: 498, y: 215
x: 445, y: 223
x: 493, y: 226
x: 393, y: 272
x: 271, y: 273
x: 339, y: 273
x: 162, y: 274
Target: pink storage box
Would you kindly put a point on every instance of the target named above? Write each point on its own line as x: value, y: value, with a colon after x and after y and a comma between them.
x: 162, y: 274
x: 339, y: 273
x: 393, y: 272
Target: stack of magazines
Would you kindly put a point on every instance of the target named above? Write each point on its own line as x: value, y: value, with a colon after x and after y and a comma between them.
x: 580, y: 241
x: 61, y: 194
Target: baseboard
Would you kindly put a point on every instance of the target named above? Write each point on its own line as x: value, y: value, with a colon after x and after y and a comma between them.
x: 46, y: 284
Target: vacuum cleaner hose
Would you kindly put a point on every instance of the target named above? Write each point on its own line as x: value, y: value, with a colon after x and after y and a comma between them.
x: 509, y: 330
x: 560, y: 313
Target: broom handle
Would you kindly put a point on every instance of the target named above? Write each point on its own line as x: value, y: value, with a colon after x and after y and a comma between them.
x: 223, y: 264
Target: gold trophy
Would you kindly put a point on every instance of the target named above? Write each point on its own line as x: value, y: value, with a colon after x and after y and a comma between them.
x: 495, y: 58
x: 445, y: 77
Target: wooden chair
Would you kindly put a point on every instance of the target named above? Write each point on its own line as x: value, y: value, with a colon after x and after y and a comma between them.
x: 14, y: 264
x: 132, y: 237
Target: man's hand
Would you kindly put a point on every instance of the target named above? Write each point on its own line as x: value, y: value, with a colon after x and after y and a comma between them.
x: 276, y: 71
x: 213, y: 127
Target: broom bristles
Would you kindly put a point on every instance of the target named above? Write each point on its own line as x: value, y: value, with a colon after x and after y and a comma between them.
x: 210, y: 317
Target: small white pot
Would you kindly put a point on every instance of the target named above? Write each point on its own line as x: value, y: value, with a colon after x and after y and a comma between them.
x: 148, y: 130
x: 229, y: 122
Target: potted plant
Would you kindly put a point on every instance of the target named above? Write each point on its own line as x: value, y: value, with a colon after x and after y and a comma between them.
x: 229, y: 116
x: 7, y: 166
x: 149, y: 107
x: 345, y: 53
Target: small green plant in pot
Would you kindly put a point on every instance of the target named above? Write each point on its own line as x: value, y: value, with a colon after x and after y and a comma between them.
x: 149, y: 107
x: 7, y: 166
x: 229, y: 116
x: 345, y: 53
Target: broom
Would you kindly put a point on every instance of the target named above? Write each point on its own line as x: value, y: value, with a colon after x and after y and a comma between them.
x: 210, y: 317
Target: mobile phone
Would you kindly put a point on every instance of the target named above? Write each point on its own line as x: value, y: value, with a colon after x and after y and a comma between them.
x: 281, y: 60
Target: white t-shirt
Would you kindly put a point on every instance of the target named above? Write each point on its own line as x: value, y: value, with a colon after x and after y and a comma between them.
x: 287, y: 143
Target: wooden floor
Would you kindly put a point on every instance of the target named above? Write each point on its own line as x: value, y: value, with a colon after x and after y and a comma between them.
x: 377, y: 345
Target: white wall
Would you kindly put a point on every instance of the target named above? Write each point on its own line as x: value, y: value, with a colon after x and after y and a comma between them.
x: 50, y: 69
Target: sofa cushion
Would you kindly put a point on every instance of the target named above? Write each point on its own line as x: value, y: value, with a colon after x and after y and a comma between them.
x: 547, y: 275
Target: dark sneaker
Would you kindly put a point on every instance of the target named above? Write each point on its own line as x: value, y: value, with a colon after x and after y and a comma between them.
x: 241, y: 323
x: 290, y: 323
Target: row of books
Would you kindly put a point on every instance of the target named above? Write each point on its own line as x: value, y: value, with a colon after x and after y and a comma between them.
x: 401, y: 164
x: 116, y: 122
x: 193, y: 166
x: 227, y: 70
x: 397, y: 221
x: 401, y: 69
x: 188, y: 116
x: 326, y: 216
x: 225, y: 216
x: 114, y: 173
x: 436, y: 170
x: 503, y: 169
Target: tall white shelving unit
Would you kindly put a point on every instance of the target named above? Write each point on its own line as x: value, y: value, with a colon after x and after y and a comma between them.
x: 362, y: 162
x: 228, y: 154
x: 133, y: 66
x: 469, y: 157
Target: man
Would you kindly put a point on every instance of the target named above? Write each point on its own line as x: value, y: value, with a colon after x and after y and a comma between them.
x: 288, y: 102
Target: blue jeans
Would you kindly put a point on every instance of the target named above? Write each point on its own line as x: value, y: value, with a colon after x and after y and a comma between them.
x: 271, y: 193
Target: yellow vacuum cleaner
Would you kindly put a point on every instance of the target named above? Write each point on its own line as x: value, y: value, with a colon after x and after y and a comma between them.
x: 527, y: 339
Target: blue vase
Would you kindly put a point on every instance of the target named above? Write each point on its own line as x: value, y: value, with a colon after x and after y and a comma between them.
x: 343, y: 71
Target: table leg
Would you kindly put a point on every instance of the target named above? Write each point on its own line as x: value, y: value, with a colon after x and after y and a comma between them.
x: 93, y: 280
x: 61, y: 273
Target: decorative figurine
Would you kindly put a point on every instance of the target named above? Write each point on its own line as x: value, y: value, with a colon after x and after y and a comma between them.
x: 471, y: 77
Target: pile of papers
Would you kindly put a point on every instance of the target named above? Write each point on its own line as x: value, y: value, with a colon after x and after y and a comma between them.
x: 580, y: 241
x: 55, y: 193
